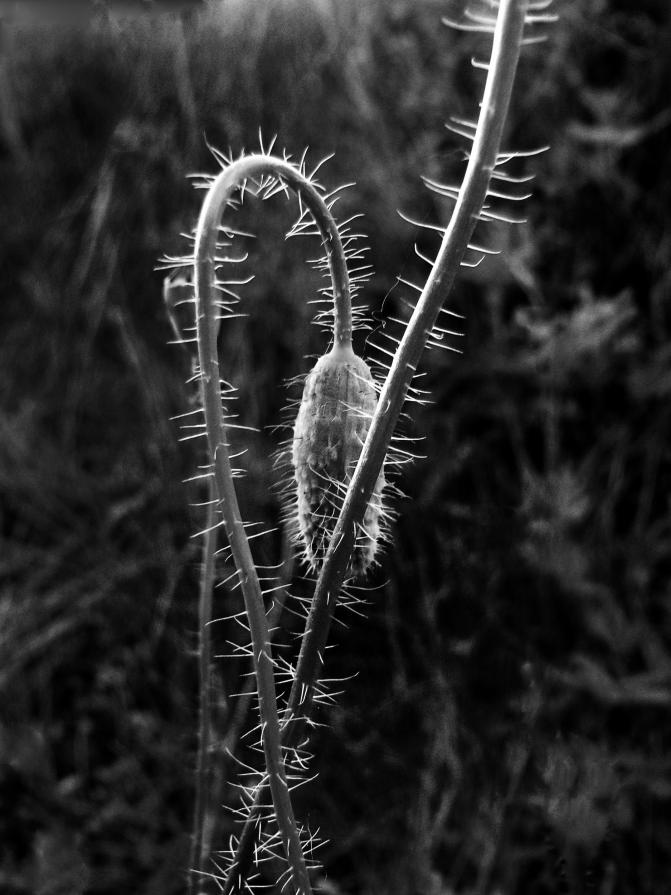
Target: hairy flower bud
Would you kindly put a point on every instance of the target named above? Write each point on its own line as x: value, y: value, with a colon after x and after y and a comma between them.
x: 338, y: 402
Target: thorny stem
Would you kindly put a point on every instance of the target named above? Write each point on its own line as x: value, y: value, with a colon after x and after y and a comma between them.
x: 216, y: 200
x: 483, y: 157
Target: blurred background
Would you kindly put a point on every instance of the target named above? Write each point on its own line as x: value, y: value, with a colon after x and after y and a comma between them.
x: 508, y: 729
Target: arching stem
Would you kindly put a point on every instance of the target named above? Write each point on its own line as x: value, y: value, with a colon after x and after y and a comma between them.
x: 216, y: 200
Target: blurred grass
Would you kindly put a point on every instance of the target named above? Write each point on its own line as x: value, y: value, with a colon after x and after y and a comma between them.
x: 512, y: 702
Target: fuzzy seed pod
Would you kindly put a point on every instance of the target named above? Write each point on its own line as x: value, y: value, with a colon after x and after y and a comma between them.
x: 338, y: 402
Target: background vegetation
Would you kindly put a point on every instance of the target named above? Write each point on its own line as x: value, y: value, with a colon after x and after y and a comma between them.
x: 508, y: 730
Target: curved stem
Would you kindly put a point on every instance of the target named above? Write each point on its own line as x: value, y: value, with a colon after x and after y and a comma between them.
x: 494, y: 108
x: 216, y: 200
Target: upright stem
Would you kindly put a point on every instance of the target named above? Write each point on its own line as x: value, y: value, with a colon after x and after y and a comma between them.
x: 494, y: 109
x: 199, y: 849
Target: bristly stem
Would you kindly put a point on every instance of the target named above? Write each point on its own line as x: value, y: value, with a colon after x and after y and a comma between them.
x: 483, y: 156
x: 484, y: 152
x: 231, y: 178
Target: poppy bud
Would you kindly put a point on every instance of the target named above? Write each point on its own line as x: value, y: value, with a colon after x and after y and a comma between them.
x: 338, y: 402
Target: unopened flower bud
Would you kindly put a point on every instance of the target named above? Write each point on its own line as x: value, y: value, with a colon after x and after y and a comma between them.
x: 338, y: 402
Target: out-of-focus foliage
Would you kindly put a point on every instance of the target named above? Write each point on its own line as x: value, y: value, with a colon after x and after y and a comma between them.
x: 508, y: 730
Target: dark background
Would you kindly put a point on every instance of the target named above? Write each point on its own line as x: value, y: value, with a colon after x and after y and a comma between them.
x: 508, y: 728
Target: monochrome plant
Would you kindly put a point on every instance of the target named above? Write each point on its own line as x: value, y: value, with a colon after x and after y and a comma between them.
x: 339, y: 460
